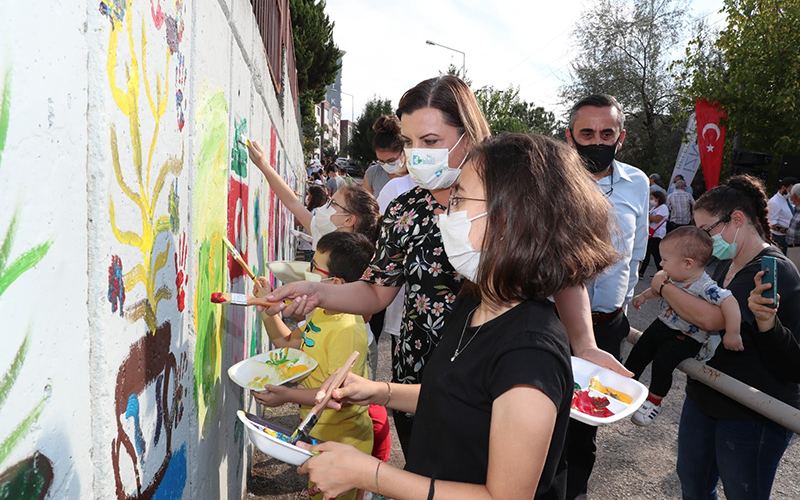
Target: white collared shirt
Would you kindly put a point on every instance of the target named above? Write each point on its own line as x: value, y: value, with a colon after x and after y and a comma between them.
x: 779, y: 212
x: 630, y: 199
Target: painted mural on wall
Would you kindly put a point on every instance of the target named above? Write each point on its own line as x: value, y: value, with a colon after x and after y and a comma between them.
x: 209, y: 226
x: 150, y: 382
x: 32, y: 476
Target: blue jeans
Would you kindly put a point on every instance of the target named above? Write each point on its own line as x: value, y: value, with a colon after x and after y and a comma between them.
x: 743, y: 453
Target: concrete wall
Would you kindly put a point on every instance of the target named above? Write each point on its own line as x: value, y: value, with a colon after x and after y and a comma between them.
x: 120, y: 172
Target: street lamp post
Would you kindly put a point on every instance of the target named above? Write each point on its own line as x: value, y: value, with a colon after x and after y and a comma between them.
x: 463, y: 56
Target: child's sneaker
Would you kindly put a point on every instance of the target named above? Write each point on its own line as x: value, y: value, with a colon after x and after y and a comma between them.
x: 646, y: 413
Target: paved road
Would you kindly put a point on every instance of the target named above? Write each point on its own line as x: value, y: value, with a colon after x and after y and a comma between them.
x: 633, y: 462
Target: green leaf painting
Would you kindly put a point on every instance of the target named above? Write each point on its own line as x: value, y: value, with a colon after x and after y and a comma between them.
x: 5, y: 109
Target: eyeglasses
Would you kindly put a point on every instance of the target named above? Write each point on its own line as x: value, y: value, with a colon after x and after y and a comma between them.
x: 312, y: 268
x: 453, y: 201
x: 332, y: 201
x: 725, y: 220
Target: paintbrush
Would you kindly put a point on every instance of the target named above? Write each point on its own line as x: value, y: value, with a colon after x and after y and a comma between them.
x: 241, y: 299
x: 310, y: 421
x: 244, y: 141
x: 238, y: 258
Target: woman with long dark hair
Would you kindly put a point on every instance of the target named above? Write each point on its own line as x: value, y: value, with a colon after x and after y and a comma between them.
x: 720, y: 439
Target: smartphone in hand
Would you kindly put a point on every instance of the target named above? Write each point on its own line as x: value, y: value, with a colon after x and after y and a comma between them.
x: 770, y: 267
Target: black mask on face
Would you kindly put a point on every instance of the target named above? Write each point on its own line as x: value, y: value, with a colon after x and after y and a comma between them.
x: 596, y: 157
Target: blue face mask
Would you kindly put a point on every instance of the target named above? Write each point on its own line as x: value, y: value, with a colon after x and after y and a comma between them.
x: 722, y: 249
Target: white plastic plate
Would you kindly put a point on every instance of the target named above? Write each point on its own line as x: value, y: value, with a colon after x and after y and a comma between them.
x: 289, y: 271
x: 263, y: 435
x: 583, y: 371
x: 274, y: 367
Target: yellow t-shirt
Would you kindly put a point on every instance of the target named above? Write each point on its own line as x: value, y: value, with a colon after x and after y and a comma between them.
x: 331, y: 339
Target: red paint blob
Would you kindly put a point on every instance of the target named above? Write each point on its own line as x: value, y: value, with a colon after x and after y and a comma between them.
x: 217, y: 298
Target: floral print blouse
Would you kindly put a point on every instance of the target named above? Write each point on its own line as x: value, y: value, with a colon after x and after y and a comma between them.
x: 410, y: 251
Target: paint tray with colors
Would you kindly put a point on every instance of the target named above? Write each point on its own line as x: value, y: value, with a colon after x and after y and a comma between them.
x: 602, y: 396
x: 274, y: 367
x: 272, y: 439
x: 289, y: 271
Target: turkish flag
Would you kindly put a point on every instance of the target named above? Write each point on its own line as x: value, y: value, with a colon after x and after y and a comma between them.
x: 710, y: 139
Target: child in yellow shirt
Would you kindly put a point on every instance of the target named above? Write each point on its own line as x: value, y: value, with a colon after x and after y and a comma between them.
x: 329, y: 337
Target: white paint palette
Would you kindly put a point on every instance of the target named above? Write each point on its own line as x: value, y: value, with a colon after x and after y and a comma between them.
x: 275, y: 367
x: 607, y: 384
x: 266, y: 436
x: 289, y: 271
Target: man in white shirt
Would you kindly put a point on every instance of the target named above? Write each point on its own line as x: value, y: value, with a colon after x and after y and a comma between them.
x: 780, y: 212
x: 597, y: 131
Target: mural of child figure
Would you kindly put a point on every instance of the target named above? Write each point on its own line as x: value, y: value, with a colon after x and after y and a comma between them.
x: 329, y: 337
x: 670, y: 339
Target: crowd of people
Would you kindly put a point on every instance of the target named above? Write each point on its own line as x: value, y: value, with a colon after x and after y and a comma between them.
x: 471, y: 251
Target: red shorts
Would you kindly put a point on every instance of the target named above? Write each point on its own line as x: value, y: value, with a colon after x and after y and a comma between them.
x: 382, y: 443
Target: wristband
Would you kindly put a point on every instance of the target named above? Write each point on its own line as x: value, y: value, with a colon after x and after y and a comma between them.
x: 390, y: 394
x: 666, y: 281
x: 431, y: 490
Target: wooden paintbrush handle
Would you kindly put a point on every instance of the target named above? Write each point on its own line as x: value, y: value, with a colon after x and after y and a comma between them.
x: 317, y: 409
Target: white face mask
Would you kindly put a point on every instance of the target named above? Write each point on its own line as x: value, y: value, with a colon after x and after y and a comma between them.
x: 455, y: 236
x: 429, y: 168
x: 394, y: 166
x: 321, y: 224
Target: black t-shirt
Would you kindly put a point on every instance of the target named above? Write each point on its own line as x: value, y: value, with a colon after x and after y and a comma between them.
x: 770, y: 359
x: 525, y: 345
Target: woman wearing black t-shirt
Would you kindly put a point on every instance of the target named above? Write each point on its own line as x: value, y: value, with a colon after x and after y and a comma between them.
x: 492, y: 409
x: 718, y: 438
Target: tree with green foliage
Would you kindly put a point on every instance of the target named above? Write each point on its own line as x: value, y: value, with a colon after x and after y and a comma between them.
x: 506, y: 112
x: 624, y: 50
x: 752, y: 68
x: 360, y: 146
x: 317, y: 61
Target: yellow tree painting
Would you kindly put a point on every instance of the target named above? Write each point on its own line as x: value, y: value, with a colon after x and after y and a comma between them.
x: 149, y: 183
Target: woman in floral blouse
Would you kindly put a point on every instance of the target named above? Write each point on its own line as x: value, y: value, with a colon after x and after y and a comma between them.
x: 440, y: 121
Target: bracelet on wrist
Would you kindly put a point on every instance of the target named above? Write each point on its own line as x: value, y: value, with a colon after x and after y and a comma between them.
x: 665, y: 282
x: 378, y: 468
x: 389, y: 398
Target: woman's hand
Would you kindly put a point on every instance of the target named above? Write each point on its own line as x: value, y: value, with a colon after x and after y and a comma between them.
x: 604, y: 359
x: 764, y: 314
x: 257, y: 154
x: 304, y: 296
x: 338, y: 468
x: 272, y: 395
x: 354, y: 390
x: 659, y: 278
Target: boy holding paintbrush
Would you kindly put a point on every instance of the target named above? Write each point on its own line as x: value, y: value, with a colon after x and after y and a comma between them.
x: 329, y: 337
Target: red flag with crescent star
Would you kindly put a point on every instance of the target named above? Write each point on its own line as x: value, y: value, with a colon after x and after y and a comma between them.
x: 710, y: 139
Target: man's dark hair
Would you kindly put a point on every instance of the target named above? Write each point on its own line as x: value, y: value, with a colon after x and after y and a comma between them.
x: 348, y: 254
x: 598, y: 101
x: 788, y: 181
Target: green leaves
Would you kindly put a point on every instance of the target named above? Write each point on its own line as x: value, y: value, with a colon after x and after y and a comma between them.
x: 5, y: 109
x: 360, y: 146
x: 8, y: 274
x: 753, y: 68
x: 506, y: 112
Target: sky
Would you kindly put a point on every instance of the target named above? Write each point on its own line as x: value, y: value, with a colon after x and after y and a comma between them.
x: 525, y: 43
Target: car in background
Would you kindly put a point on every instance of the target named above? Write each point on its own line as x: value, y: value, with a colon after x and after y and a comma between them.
x: 352, y: 168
